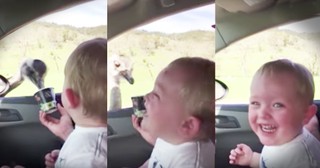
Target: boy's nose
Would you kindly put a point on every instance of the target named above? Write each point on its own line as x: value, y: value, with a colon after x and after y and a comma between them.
x: 264, y: 112
x: 147, y: 97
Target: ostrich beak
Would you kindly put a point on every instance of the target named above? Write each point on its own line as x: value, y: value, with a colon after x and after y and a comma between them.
x: 128, y: 77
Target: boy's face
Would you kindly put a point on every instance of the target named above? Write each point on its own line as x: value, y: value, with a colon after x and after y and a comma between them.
x: 164, y: 106
x: 276, y: 112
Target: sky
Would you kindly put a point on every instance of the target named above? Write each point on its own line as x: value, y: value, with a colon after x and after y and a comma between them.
x: 89, y: 14
x: 94, y: 14
x: 201, y: 18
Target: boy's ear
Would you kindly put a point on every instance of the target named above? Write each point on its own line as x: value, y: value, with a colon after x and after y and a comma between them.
x: 312, y: 109
x: 191, y: 127
x: 72, y: 97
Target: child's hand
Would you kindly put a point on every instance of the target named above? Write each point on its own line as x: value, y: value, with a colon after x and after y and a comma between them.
x: 50, y: 158
x: 60, y: 127
x: 145, y: 134
x: 241, y: 155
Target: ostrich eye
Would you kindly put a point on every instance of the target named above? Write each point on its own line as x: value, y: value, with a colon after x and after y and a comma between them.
x: 117, y: 64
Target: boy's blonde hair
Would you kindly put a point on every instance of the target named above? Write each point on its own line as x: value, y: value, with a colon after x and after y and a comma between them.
x: 86, y: 74
x: 302, y: 75
x: 198, y: 91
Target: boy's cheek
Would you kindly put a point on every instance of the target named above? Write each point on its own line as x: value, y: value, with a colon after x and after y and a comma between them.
x: 150, y: 104
x: 143, y: 124
x: 252, y: 119
x: 147, y: 106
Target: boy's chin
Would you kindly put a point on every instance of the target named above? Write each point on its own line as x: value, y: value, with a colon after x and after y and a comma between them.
x: 275, y: 138
x: 269, y: 141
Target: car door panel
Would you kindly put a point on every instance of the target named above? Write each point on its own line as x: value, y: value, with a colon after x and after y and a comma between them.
x: 127, y: 151
x: 233, y: 128
x: 126, y: 147
x: 26, y: 141
x: 120, y: 121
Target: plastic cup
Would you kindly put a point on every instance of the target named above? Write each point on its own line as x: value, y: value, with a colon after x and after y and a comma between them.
x: 138, y: 106
x: 46, y: 99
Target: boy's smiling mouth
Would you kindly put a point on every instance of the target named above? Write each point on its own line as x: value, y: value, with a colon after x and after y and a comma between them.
x: 267, y: 128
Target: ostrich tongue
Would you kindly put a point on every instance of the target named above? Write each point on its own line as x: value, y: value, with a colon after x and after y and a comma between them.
x: 138, y: 106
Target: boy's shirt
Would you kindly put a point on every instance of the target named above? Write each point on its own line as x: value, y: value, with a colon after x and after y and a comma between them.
x: 303, y: 151
x: 86, y: 147
x: 198, y: 154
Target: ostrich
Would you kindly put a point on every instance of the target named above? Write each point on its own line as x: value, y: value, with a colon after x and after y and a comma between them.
x: 118, y: 67
x: 33, y: 69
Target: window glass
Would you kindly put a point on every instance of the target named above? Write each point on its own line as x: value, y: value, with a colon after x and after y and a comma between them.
x: 51, y: 39
x: 236, y: 64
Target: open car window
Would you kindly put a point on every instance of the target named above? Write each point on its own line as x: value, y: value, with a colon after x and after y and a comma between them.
x: 236, y: 64
x: 51, y: 39
x: 144, y: 51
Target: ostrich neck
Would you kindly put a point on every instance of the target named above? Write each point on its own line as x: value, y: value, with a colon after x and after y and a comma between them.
x: 16, y: 80
x: 114, y: 93
x: 113, y: 81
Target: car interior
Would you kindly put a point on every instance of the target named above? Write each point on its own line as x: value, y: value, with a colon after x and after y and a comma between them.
x: 24, y: 140
x: 238, y: 19
x: 235, y: 21
x: 126, y: 147
x: 21, y: 13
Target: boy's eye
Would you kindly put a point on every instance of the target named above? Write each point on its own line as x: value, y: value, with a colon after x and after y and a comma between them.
x: 277, y: 105
x: 157, y: 96
x: 254, y: 103
x: 153, y: 94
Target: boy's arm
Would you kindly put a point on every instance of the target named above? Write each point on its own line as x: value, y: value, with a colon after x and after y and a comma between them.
x: 146, y: 135
x: 60, y: 127
x: 255, y: 160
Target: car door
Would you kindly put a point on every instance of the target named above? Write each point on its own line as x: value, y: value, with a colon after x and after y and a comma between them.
x: 126, y: 147
x: 232, y: 128
x: 24, y: 141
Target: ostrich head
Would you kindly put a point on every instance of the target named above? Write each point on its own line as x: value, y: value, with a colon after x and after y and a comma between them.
x: 33, y: 69
x: 120, y: 67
